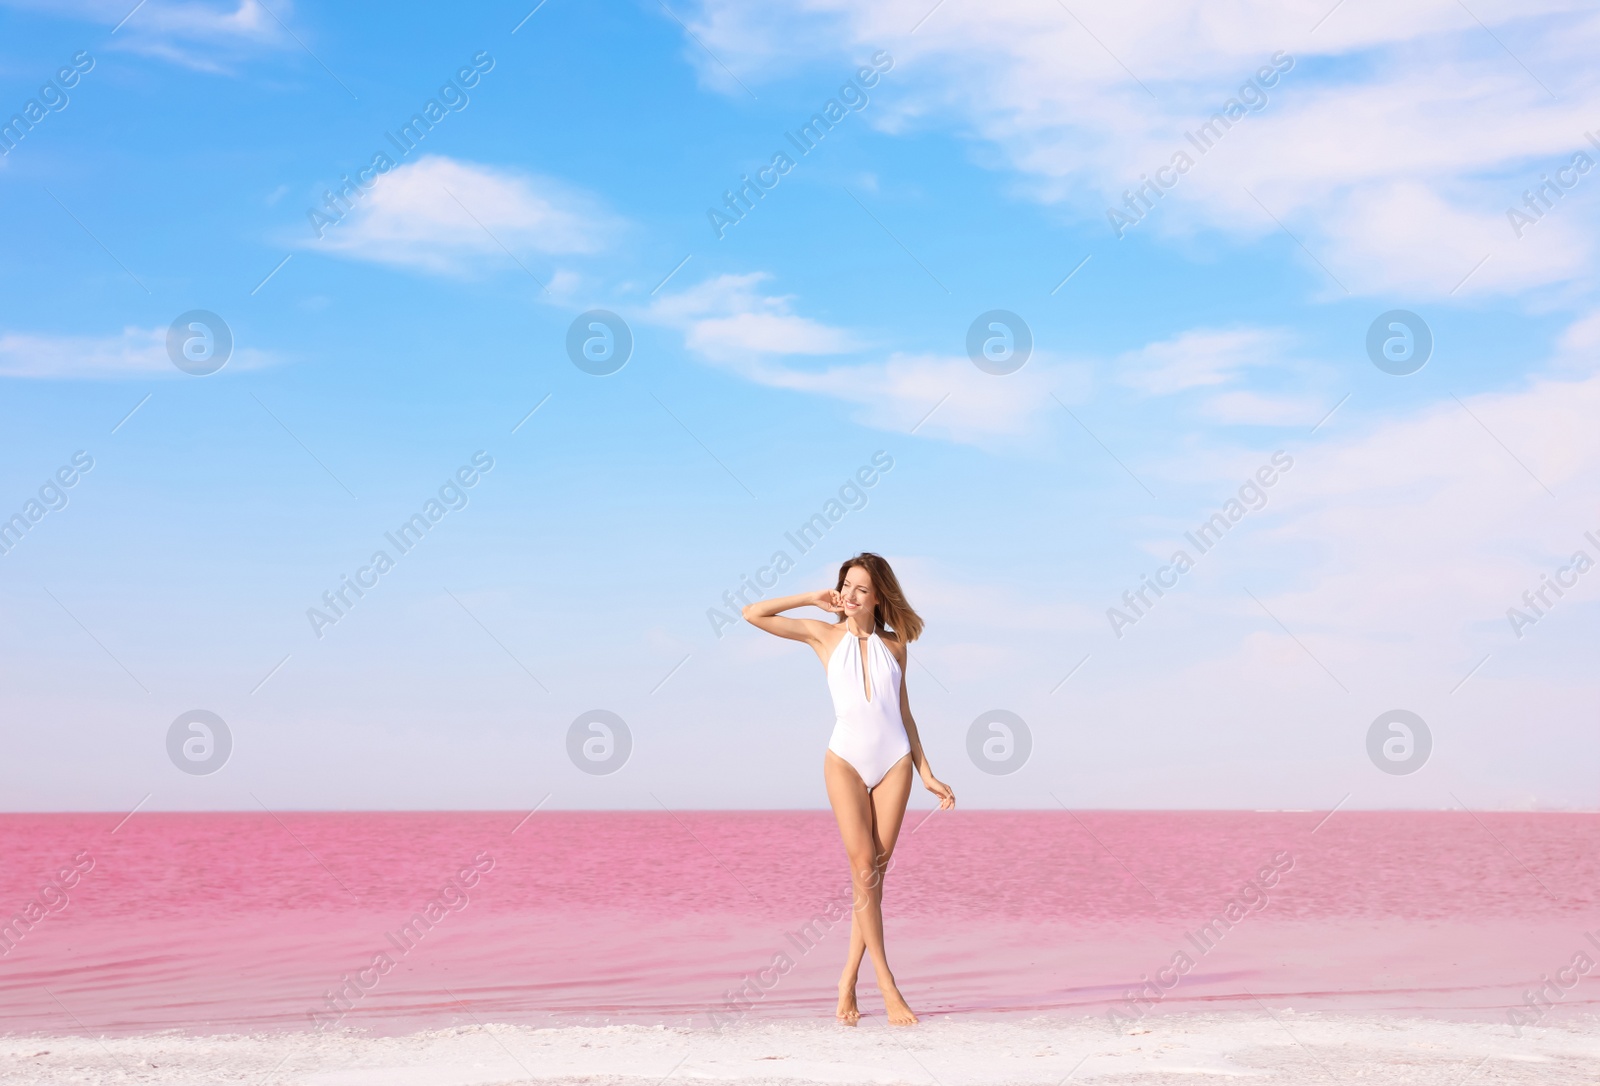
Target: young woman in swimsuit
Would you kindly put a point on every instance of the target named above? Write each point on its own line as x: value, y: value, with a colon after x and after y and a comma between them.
x: 874, y: 745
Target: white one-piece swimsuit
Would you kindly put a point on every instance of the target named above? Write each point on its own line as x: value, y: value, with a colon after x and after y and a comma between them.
x: 867, y: 732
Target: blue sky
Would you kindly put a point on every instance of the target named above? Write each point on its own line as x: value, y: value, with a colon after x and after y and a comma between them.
x: 771, y: 363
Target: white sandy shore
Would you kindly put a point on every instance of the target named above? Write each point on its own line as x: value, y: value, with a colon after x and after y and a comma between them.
x: 1284, y: 1047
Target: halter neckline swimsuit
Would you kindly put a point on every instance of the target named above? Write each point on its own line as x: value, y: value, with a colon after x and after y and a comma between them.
x: 868, y: 732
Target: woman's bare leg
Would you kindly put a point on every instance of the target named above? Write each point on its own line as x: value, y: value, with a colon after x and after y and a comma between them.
x: 852, y: 809
x: 869, y: 824
x: 888, y: 813
x: 852, y: 969
x: 858, y: 943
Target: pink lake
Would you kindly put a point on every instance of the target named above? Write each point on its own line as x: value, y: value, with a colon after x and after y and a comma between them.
x: 250, y: 921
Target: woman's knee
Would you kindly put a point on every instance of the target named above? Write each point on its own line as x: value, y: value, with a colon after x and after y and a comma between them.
x: 876, y: 871
x: 864, y: 869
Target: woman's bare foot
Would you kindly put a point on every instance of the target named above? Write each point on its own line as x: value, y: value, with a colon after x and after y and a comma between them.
x: 895, y: 1006
x: 848, y: 1012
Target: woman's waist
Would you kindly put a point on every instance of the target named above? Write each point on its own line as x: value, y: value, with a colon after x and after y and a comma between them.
x: 869, y: 721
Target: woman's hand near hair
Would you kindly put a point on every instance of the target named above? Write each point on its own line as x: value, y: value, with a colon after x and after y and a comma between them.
x: 828, y: 600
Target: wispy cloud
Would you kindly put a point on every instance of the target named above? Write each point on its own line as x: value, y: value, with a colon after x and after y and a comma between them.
x: 1245, y: 408
x: 726, y: 319
x: 248, y: 20
x: 1199, y: 358
x: 1427, y: 527
x: 1390, y: 151
x: 729, y: 322
x: 937, y: 396
x: 204, y: 37
x: 136, y: 352
x: 449, y: 217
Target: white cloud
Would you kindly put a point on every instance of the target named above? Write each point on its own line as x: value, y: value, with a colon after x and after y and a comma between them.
x: 246, y: 18
x: 727, y: 321
x: 948, y: 396
x: 249, y: 19
x: 449, y: 217
x: 1390, y: 552
x: 1410, y: 541
x: 1392, y: 148
x: 204, y: 37
x: 1244, y: 408
x: 1424, y: 528
x: 136, y: 352
x: 1198, y: 358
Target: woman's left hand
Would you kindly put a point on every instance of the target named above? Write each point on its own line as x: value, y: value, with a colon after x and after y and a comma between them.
x: 947, y: 796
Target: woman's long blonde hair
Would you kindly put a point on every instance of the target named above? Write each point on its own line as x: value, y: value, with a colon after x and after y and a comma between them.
x: 892, y: 610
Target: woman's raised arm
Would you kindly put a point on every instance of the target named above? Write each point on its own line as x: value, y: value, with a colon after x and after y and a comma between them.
x: 767, y: 614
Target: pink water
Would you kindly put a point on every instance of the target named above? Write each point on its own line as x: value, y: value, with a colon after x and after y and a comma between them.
x: 231, y: 921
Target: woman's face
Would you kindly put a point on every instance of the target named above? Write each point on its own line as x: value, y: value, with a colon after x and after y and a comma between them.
x: 856, y: 595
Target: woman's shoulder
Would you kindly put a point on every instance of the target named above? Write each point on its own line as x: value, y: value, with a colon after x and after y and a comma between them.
x: 830, y: 635
x: 893, y: 644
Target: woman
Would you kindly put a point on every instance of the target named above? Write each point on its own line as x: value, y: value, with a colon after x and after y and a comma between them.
x: 874, y: 745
